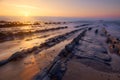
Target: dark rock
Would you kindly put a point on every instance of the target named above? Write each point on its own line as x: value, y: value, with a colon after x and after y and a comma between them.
x: 3, y: 62
x: 89, y: 28
x: 104, y: 52
x: 50, y: 44
x: 96, y: 31
x: 63, y: 53
x: 29, y: 50
x: 108, y: 40
x: 69, y: 47
x: 36, y: 52
x: 15, y: 56
x: 34, y: 48
x: 76, y: 40
x: 103, y: 57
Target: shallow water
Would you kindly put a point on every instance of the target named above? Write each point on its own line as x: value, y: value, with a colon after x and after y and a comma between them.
x: 10, y: 47
x: 26, y: 68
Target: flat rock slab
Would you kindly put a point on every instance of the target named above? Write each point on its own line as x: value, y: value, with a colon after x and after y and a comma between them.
x: 78, y: 71
x: 102, y: 56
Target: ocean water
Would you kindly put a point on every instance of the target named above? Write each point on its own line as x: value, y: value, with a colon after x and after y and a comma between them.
x: 44, y: 18
x: 7, y: 18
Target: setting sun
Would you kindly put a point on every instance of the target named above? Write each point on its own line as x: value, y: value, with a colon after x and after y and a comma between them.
x: 26, y: 14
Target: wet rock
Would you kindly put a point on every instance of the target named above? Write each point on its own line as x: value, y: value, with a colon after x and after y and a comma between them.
x: 102, y: 50
x: 50, y: 44
x: 63, y: 67
x: 29, y: 50
x: 34, y: 48
x: 89, y: 28
x: 3, y: 62
x: 118, y: 39
x: 114, y: 45
x: 96, y: 31
x: 116, y: 50
x: 15, y: 56
x: 104, y: 31
x: 69, y: 47
x: 63, y: 53
x: 57, y: 71
x: 108, y: 40
x: 76, y: 40
x: 36, y: 52
x: 81, y: 25
x: 24, y: 51
x: 66, y: 26
x: 103, y: 57
x: 84, y: 56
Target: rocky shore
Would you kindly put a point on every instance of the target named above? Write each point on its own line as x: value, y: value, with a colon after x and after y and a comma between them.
x: 48, y: 43
x: 91, y: 49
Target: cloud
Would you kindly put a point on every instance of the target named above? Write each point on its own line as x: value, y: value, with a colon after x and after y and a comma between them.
x: 26, y: 6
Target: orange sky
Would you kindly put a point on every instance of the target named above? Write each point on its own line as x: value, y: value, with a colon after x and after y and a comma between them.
x: 65, y: 8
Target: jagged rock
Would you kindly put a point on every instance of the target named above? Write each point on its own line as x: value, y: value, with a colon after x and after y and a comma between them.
x: 15, y: 56
x: 50, y: 44
x: 63, y: 53
x: 76, y: 40
x: 29, y: 50
x: 34, y: 48
x: 69, y: 47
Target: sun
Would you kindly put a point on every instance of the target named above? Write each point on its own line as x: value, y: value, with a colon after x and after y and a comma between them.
x: 26, y: 14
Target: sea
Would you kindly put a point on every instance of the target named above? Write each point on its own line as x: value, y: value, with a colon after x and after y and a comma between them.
x: 46, y: 18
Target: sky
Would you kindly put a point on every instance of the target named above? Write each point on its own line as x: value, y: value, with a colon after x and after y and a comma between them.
x: 63, y: 8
